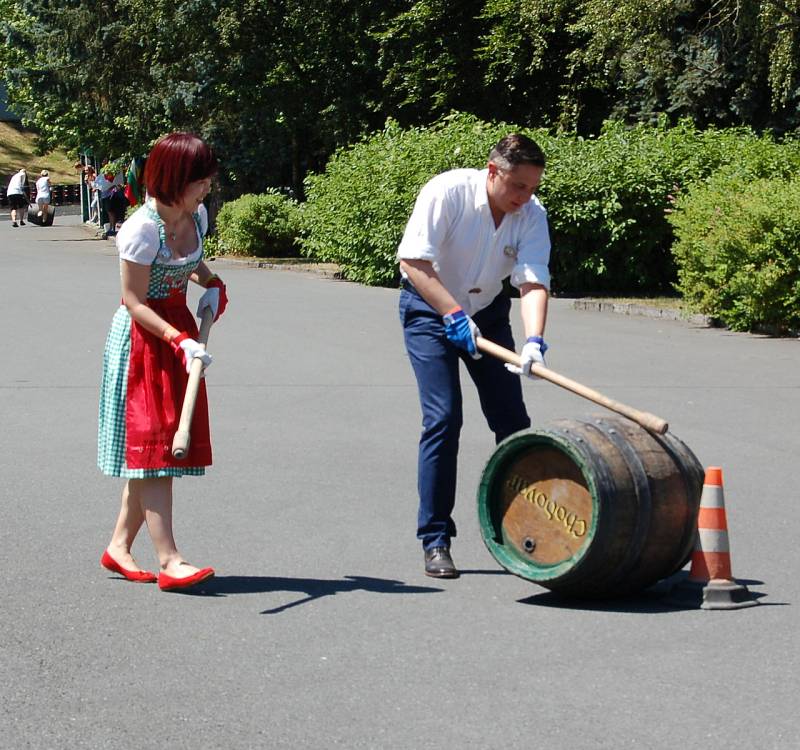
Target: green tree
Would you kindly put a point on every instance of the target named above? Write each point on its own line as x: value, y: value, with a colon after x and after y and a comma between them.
x: 275, y: 85
x: 427, y: 53
x: 723, y: 62
x: 575, y: 63
x: 530, y: 68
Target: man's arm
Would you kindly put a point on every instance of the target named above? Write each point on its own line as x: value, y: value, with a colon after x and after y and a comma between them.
x: 427, y: 282
x: 533, y: 303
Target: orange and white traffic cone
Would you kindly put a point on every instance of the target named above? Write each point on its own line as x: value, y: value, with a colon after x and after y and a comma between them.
x: 710, y: 582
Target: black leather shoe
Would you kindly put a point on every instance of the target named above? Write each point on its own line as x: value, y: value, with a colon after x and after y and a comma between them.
x: 439, y: 564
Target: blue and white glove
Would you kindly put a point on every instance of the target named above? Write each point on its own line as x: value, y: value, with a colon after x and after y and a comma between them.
x: 532, y: 354
x: 462, y: 331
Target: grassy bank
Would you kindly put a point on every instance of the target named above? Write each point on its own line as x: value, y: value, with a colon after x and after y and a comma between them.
x: 18, y: 149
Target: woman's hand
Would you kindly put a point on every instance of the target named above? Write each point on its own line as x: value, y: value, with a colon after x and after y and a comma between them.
x: 215, y: 297
x: 187, y: 350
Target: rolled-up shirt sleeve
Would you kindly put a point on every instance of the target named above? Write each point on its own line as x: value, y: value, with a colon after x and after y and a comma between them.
x: 533, y: 259
x: 427, y: 228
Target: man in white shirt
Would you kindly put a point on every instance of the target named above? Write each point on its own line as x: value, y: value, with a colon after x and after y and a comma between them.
x: 17, y: 194
x: 469, y: 230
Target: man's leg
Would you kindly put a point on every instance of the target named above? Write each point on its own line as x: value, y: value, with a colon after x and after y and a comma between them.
x: 499, y: 390
x: 435, y: 364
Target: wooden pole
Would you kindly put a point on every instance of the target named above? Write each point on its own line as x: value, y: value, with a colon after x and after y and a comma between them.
x: 645, y: 419
x: 180, y: 443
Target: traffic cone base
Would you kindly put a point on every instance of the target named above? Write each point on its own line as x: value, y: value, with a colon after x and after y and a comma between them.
x: 714, y: 594
x: 726, y: 595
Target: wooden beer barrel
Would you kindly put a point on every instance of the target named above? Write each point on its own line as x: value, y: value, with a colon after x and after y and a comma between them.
x: 594, y: 509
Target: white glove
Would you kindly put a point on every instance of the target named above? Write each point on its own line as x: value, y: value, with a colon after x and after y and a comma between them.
x: 210, y: 299
x: 188, y: 349
x: 532, y: 354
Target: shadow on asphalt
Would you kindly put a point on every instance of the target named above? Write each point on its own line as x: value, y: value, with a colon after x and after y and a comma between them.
x: 648, y: 602
x: 483, y: 572
x: 313, y: 588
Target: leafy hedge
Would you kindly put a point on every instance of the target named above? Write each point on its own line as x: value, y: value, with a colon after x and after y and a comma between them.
x: 738, y: 251
x: 608, y: 198
x: 264, y: 225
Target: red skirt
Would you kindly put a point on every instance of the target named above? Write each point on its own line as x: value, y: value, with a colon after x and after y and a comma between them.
x: 156, y: 384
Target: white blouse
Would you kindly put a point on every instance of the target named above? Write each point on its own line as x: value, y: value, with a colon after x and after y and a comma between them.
x: 138, y: 240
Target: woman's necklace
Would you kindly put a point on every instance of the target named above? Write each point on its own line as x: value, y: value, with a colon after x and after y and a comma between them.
x: 173, y: 233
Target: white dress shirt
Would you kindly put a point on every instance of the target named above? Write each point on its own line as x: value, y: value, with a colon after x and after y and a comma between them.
x: 452, y: 226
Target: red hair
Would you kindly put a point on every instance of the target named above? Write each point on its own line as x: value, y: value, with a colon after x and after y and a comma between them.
x: 176, y: 160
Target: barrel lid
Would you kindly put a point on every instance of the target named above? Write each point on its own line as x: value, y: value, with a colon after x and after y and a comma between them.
x: 537, y: 504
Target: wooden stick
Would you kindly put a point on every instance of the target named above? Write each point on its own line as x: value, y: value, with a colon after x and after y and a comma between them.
x: 645, y: 419
x: 180, y: 443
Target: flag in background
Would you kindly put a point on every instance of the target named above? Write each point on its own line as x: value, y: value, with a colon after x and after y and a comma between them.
x: 134, y: 190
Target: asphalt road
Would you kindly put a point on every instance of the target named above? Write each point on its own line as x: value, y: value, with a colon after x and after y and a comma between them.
x: 320, y: 629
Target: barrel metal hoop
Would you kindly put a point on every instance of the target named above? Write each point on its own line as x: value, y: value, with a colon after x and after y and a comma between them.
x: 602, y: 485
x: 643, y: 496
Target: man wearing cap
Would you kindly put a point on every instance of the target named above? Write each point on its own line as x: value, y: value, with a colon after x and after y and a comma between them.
x: 469, y: 230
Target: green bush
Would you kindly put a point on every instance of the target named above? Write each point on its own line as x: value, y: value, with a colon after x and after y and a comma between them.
x: 607, y: 198
x: 264, y: 225
x: 738, y: 251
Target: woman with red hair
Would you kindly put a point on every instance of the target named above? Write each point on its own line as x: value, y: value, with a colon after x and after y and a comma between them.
x: 148, y: 353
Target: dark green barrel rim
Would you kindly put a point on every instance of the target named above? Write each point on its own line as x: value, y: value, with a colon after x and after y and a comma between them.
x: 505, y: 453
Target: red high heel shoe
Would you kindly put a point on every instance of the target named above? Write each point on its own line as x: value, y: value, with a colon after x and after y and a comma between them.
x: 138, y: 576
x: 168, y: 583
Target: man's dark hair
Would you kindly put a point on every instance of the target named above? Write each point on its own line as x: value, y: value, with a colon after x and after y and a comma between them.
x: 515, y: 149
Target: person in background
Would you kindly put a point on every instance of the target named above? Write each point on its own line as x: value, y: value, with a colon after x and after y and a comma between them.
x: 89, y: 177
x: 469, y: 230
x: 18, y: 194
x: 43, y: 192
x: 112, y: 198
x: 148, y: 354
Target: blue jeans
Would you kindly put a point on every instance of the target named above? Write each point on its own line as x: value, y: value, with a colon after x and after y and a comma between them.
x: 435, y: 362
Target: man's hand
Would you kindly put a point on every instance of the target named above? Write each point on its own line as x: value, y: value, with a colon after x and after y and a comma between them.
x: 461, y: 330
x: 532, y: 354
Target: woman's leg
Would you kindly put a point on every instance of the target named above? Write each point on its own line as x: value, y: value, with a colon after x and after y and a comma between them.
x: 155, y: 496
x: 129, y: 521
